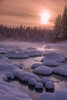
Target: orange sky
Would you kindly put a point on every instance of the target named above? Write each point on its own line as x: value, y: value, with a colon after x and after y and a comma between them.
x: 27, y: 12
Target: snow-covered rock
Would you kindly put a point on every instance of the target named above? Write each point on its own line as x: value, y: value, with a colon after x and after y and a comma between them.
x: 43, y: 70
x: 51, y: 63
x: 36, y: 65
x: 19, y: 55
x: 49, y: 85
x: 33, y: 53
x: 61, y: 70
x: 54, y: 56
x: 47, y: 96
x: 5, y: 51
x: 32, y: 81
x: 44, y: 80
x: 58, y: 95
x: 39, y: 85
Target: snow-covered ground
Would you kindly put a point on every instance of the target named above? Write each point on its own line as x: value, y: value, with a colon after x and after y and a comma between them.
x: 18, y: 60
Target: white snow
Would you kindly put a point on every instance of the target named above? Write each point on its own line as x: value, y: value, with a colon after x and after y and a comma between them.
x: 54, y: 56
x: 39, y: 85
x: 43, y: 70
x: 58, y: 95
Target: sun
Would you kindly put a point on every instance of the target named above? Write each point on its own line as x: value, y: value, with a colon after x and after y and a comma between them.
x: 45, y: 16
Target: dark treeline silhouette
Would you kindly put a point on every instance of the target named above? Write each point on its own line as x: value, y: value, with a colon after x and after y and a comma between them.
x: 59, y: 31
x: 60, y: 28
x: 25, y: 33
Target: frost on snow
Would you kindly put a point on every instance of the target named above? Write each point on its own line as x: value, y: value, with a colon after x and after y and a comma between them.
x: 58, y: 95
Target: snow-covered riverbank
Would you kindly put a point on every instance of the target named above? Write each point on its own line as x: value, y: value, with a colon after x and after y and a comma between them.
x: 16, y: 55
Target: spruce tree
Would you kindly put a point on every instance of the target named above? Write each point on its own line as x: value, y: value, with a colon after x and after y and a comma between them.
x: 64, y: 23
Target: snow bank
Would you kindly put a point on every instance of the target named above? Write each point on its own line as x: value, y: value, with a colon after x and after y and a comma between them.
x: 11, y: 92
x: 58, y: 95
x: 43, y: 70
x: 10, y: 70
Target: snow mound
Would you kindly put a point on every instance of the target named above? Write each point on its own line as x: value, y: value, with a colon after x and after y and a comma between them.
x: 36, y: 65
x: 51, y: 63
x: 33, y: 53
x: 58, y: 95
x: 43, y: 70
x: 54, y: 56
x: 47, y: 96
x: 32, y: 81
x: 49, y: 85
x: 61, y: 70
x: 44, y: 80
x: 11, y: 92
x: 19, y: 55
x: 39, y: 85
x: 5, y: 51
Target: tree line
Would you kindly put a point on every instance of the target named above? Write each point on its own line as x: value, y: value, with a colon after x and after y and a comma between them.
x: 23, y: 33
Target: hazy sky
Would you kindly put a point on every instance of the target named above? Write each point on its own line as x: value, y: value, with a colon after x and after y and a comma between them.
x: 27, y: 12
